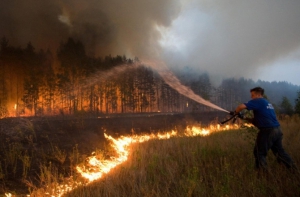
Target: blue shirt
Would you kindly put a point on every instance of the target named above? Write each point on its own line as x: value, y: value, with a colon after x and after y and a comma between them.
x: 264, y: 114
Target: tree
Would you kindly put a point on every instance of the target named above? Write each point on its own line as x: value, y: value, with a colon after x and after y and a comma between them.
x: 285, y: 106
x: 72, y: 58
x: 202, y: 87
x: 297, y: 106
x: 31, y: 94
x: 3, y: 88
x: 36, y: 73
x: 49, y: 85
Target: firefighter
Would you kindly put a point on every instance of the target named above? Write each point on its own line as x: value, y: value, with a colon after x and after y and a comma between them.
x: 270, y: 134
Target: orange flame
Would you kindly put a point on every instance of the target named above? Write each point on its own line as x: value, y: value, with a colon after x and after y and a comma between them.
x: 96, y: 168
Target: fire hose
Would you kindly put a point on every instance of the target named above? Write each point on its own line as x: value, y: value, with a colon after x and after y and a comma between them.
x: 234, y: 118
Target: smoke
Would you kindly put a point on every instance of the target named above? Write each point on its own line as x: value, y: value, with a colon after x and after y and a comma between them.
x: 113, y: 27
x: 234, y: 38
x: 226, y: 38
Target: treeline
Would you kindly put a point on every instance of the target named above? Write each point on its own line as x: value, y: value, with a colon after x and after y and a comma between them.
x: 41, y: 83
x: 35, y: 83
x: 284, y: 96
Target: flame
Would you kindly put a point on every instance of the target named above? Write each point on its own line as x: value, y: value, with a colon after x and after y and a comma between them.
x: 194, y: 131
x: 249, y: 125
x: 96, y: 167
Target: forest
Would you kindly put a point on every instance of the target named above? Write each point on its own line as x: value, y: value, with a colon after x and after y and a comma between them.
x: 69, y: 82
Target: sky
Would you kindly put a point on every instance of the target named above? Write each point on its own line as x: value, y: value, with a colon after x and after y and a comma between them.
x: 257, y: 39
x: 253, y: 39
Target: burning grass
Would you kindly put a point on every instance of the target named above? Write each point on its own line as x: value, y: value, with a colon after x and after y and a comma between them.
x: 220, y: 164
x: 178, y: 164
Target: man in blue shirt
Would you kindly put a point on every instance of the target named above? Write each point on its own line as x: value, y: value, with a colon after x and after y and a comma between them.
x: 269, y: 135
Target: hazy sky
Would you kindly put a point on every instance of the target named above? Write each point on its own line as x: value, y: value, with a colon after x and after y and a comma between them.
x: 254, y: 39
x: 258, y: 39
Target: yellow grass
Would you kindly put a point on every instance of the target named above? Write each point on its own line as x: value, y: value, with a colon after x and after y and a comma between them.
x: 221, y: 164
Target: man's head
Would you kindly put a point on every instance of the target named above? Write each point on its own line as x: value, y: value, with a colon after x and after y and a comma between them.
x: 257, y: 92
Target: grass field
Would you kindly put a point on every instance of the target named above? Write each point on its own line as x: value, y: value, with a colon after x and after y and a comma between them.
x: 221, y: 164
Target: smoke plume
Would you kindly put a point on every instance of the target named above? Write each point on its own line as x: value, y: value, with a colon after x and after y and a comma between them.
x: 114, y: 27
x: 227, y: 38
x: 235, y: 38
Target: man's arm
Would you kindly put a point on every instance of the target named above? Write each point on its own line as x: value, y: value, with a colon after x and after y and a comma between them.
x: 240, y: 108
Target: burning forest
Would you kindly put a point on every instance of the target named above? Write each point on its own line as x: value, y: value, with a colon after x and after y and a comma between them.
x: 138, y: 98
x: 68, y: 120
x: 41, y: 84
x: 70, y: 82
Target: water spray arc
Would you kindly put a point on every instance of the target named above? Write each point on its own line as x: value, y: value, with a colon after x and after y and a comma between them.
x: 161, y: 68
x: 174, y: 82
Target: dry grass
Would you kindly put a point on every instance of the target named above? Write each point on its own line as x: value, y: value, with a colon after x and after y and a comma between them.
x: 221, y: 164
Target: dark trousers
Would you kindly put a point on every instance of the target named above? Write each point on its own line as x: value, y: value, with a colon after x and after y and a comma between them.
x: 270, y: 138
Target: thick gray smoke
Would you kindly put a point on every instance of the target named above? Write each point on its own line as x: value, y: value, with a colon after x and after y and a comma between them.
x: 106, y: 27
x: 234, y: 38
x: 229, y: 38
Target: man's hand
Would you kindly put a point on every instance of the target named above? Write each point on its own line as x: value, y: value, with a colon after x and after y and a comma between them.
x: 232, y: 113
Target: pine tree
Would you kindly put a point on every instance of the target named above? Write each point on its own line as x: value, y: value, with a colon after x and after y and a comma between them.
x: 286, y: 107
x: 297, y: 106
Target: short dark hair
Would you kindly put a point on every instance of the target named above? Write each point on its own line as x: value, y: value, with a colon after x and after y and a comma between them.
x: 258, y: 90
